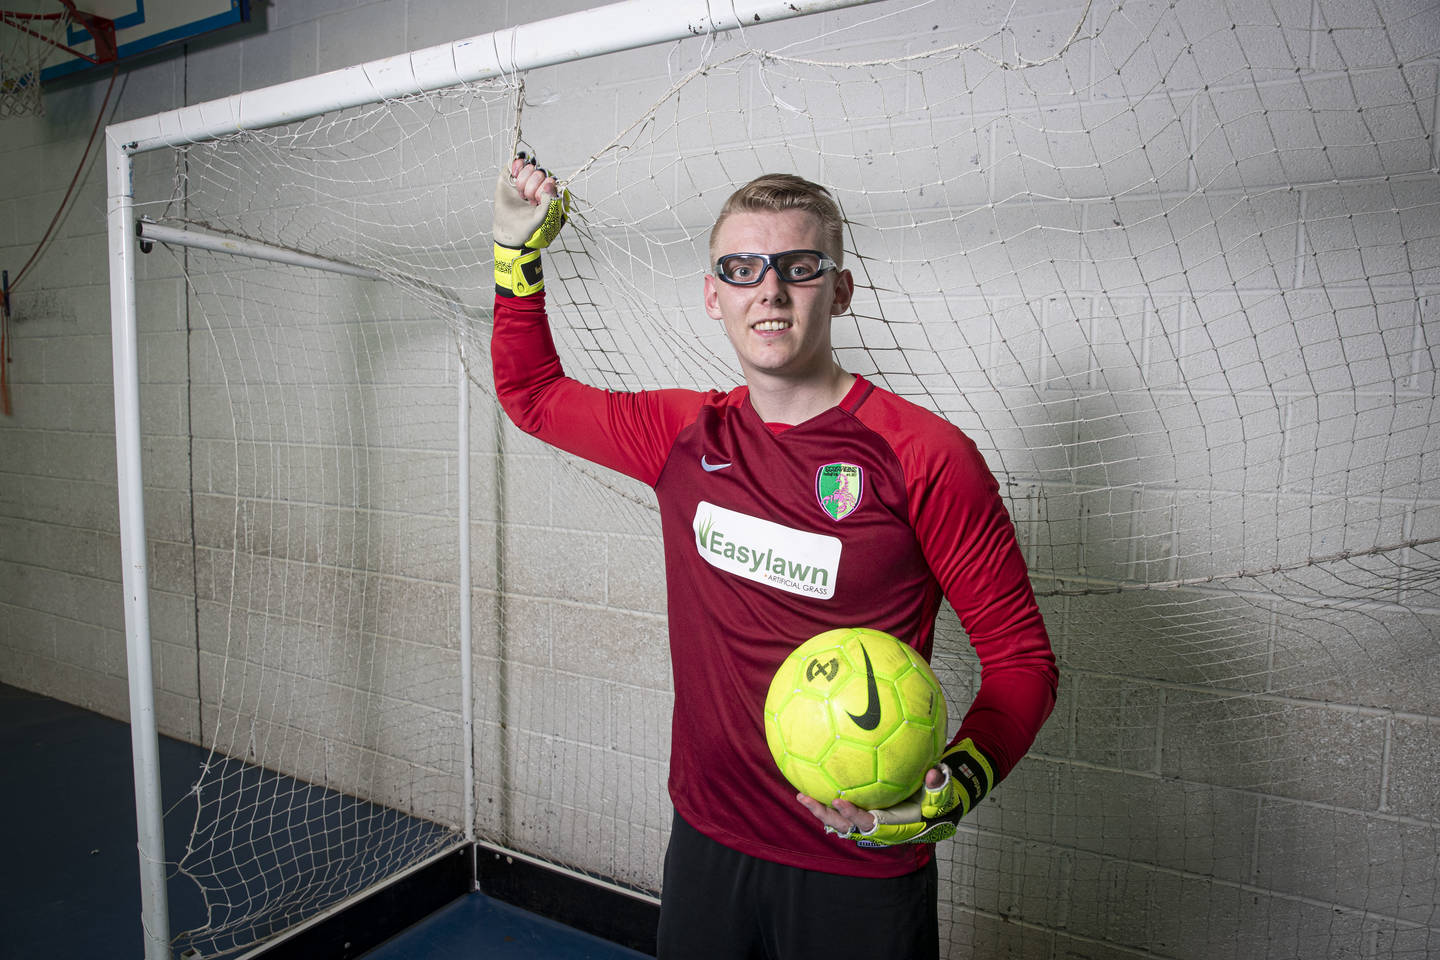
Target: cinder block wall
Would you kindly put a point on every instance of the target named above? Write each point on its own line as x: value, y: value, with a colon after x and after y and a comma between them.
x: 1249, y: 801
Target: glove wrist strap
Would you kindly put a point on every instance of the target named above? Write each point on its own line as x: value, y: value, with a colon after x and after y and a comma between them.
x: 972, y: 771
x: 518, y: 272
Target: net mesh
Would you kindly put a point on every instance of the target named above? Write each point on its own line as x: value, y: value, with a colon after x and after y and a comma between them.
x: 321, y: 497
x: 1173, y: 266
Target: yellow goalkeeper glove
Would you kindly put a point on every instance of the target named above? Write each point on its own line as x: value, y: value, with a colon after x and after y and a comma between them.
x: 521, y: 231
x: 928, y: 816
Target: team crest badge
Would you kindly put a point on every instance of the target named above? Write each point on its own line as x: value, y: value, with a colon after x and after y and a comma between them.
x: 838, y: 486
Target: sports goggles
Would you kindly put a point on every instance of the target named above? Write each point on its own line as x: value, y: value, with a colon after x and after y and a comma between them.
x: 792, y: 266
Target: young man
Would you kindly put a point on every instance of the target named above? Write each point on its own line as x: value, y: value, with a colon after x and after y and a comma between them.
x: 754, y: 870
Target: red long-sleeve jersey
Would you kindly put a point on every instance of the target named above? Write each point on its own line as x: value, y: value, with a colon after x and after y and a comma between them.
x: 865, y: 515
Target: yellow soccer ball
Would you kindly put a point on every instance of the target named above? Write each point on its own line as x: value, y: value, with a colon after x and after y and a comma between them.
x: 855, y: 713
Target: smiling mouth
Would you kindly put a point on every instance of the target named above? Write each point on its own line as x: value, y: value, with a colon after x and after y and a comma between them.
x: 770, y: 326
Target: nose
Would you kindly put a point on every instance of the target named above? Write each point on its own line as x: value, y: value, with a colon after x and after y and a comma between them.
x: 772, y: 288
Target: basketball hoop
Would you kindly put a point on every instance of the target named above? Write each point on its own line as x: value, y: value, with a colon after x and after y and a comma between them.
x: 25, y: 41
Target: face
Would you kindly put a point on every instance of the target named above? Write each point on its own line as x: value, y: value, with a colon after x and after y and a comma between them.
x: 778, y: 329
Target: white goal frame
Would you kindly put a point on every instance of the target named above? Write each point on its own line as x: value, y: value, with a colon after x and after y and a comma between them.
x: 621, y: 26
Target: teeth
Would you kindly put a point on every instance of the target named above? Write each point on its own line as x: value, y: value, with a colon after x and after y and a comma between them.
x: 769, y: 326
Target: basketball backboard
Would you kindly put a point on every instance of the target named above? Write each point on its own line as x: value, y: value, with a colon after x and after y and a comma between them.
x: 140, y: 26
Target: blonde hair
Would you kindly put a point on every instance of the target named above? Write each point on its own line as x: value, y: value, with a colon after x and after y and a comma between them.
x: 778, y: 192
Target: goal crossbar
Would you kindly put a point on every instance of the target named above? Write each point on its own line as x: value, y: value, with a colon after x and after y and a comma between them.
x: 588, y: 33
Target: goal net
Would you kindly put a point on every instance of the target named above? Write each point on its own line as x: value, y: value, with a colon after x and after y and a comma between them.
x: 1173, y: 266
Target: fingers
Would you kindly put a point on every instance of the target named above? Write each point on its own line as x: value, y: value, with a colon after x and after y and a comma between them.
x: 862, y: 820
x: 826, y: 815
x: 842, y: 817
x: 534, y: 182
x: 935, y: 778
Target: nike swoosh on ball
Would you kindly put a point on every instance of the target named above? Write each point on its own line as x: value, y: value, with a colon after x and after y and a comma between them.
x: 870, y: 719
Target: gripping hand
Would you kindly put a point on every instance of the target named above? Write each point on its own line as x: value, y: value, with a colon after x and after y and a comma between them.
x: 527, y: 218
x: 930, y: 815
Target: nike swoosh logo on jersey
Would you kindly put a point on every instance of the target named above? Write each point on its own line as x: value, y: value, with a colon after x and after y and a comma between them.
x: 870, y: 719
x: 711, y: 467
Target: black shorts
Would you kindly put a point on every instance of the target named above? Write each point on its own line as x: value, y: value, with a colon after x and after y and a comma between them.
x: 717, y: 903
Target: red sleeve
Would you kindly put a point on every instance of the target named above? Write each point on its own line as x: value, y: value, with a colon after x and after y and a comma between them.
x: 627, y: 432
x: 969, y: 543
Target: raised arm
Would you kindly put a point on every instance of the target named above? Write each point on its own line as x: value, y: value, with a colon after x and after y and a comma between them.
x: 627, y: 432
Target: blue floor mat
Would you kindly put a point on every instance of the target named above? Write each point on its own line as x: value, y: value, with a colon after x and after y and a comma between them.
x: 72, y: 890
x: 478, y: 926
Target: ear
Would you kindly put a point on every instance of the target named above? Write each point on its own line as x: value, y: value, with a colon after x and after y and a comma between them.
x: 712, y: 298
x: 844, y: 293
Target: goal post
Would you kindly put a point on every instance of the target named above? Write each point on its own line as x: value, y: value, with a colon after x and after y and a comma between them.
x: 607, y: 29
